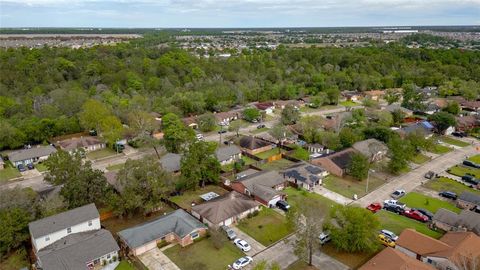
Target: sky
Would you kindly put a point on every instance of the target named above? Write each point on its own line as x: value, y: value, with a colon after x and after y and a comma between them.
x: 236, y: 13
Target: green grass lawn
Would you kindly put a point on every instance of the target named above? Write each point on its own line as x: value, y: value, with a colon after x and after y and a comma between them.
x: 300, y: 153
x: 16, y: 260
x: 124, y: 265
x: 348, y: 103
x: 106, y: 152
x: 443, y: 183
x: 397, y: 223
x: 453, y: 141
x: 475, y: 159
x: 460, y: 170
x: 280, y: 164
x: 41, y: 167
x: 417, y: 200
x: 440, y: 149
x: 248, y: 160
x: 259, y: 130
x: 185, y: 200
x: 420, y: 158
x: 204, y: 255
x: 267, y: 227
x: 8, y: 173
x: 269, y: 153
x: 348, y: 186
x: 296, y: 197
x: 116, y: 167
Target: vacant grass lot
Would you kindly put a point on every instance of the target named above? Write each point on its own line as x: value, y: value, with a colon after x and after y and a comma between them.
x: 98, y: 154
x: 280, y: 164
x: 420, y: 158
x: 397, y: 223
x: 460, y: 170
x: 348, y: 186
x: 267, y: 227
x: 440, y: 149
x: 475, y: 159
x: 203, y: 255
x: 193, y: 196
x: 443, y: 184
x: 417, y: 200
x: 453, y: 141
x: 269, y: 153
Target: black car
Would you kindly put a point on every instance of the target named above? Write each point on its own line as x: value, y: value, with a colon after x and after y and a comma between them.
x: 424, y: 212
x: 30, y: 166
x: 222, y: 131
x: 261, y: 126
x: 448, y: 195
x: 459, y: 134
x: 470, y: 179
x: 21, y: 167
x: 471, y: 164
x: 283, y: 205
x: 394, y: 208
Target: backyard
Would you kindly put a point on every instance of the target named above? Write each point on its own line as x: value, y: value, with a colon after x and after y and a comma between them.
x: 420, y: 158
x: 267, y: 227
x: 397, y: 223
x: 443, y: 184
x: 280, y: 164
x: 348, y: 186
x: 452, y: 141
x: 193, y: 196
x: 102, y: 153
x: 269, y: 153
x: 417, y: 200
x: 460, y: 170
x: 203, y: 255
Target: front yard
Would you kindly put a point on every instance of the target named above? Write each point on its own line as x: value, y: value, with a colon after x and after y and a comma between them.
x: 452, y: 141
x: 296, y: 197
x: 417, y: 200
x: 124, y: 265
x: 397, y: 223
x: 348, y: 186
x: 440, y: 149
x: 9, y: 173
x: 267, y: 227
x: 193, y: 196
x: 444, y: 184
x: 203, y: 255
x: 102, y: 153
x: 420, y: 158
x: 460, y: 170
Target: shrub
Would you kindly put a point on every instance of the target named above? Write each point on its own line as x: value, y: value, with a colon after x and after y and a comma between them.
x: 162, y: 244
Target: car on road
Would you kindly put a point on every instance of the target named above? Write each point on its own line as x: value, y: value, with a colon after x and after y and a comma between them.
x: 386, y: 241
x: 30, y: 166
x: 414, y: 214
x: 260, y: 126
x: 394, y: 202
x: 471, y: 164
x: 398, y: 194
x: 389, y: 234
x: 229, y: 232
x: 374, y: 207
x: 242, y: 262
x: 424, y: 212
x: 394, y: 208
x: 324, y: 237
x: 242, y: 244
x: 448, y: 195
x: 429, y: 175
x: 222, y: 131
x: 283, y: 205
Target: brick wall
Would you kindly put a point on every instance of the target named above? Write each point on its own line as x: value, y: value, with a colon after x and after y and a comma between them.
x: 328, y: 165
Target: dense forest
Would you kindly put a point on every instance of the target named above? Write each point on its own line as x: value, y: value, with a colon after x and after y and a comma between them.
x: 42, y: 91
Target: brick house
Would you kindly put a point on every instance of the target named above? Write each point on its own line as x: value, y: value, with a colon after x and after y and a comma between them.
x: 87, y: 143
x: 305, y: 175
x: 175, y: 227
x: 253, y: 145
x: 392, y: 259
x: 336, y: 163
x: 468, y: 200
x: 265, y: 107
x: 264, y: 186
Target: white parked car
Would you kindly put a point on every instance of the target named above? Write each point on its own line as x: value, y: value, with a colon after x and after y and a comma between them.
x: 389, y: 234
x: 324, y: 237
x: 398, y: 194
x: 242, y: 244
x: 394, y: 202
x: 242, y: 262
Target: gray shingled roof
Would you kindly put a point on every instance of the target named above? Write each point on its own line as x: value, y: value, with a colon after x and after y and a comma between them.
x: 171, y: 162
x: 74, y: 143
x: 34, y: 152
x: 63, y: 220
x: 179, y: 222
x: 224, y: 153
x: 469, y: 197
x: 304, y: 172
x: 261, y: 184
x: 370, y: 147
x: 75, y: 250
x: 466, y: 218
x: 252, y: 143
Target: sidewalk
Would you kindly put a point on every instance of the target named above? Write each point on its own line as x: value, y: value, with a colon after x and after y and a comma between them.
x: 332, y: 195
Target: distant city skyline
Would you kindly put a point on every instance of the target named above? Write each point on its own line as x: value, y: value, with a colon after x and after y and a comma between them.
x: 236, y: 13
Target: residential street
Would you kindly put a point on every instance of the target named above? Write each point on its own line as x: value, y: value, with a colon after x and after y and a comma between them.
x: 415, y: 178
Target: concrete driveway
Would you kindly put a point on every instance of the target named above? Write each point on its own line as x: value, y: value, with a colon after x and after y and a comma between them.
x: 256, y: 246
x: 156, y: 260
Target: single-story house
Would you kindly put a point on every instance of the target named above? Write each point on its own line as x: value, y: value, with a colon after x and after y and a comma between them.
x: 2, y: 164
x: 396, y: 106
x: 315, y: 148
x: 374, y: 94
x: 266, y: 107
x: 225, y: 210
x: 171, y: 162
x: 352, y: 95
x: 336, y: 163
x: 280, y: 104
x: 175, y: 227
x: 446, y: 253
x: 470, y: 105
x: 87, y: 143
x: 392, y: 259
x: 254, y: 145
x: 224, y: 118
x: 428, y: 91
x: 465, y: 123
x: 373, y: 149
x: 449, y: 221
x: 228, y: 154
x: 424, y: 127
x: 31, y: 155
x: 305, y: 175
x: 264, y: 186
x: 190, y: 122
x: 468, y: 200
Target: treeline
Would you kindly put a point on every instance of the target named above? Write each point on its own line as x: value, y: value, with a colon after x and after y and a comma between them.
x: 43, y: 90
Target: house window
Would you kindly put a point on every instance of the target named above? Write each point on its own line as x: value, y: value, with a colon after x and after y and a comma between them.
x: 194, y: 235
x: 429, y: 261
x: 69, y: 230
x: 47, y: 238
x: 108, y: 256
x: 89, y: 223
